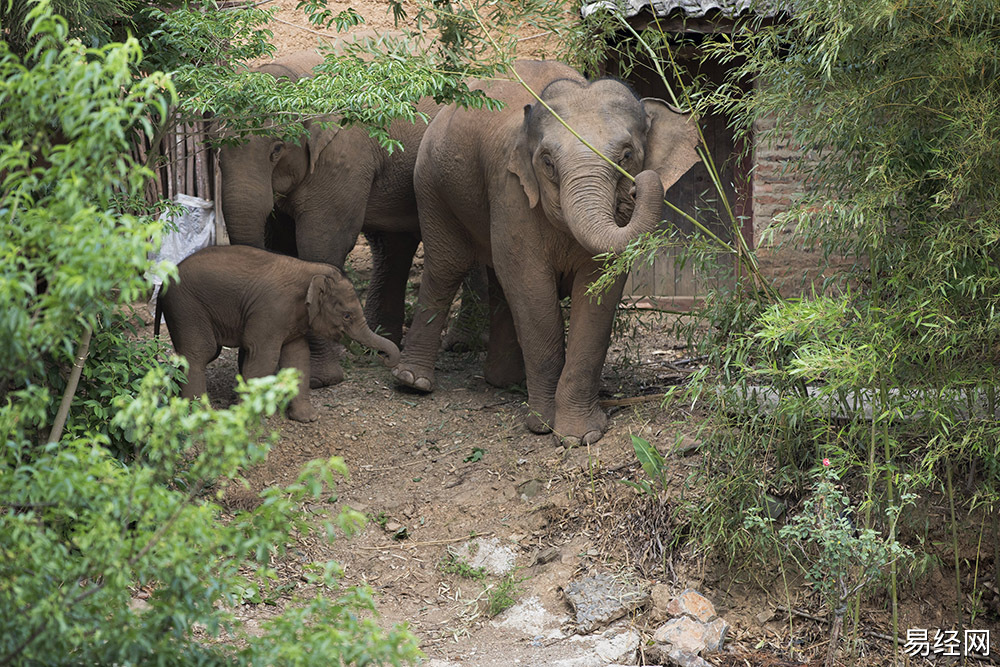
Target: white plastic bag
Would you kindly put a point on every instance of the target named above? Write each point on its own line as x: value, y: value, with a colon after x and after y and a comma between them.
x: 195, y: 230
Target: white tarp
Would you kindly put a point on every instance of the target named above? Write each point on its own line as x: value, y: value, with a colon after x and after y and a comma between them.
x: 195, y: 230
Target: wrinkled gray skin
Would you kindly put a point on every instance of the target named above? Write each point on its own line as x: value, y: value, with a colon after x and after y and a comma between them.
x: 337, y: 183
x: 265, y: 304
x: 518, y: 192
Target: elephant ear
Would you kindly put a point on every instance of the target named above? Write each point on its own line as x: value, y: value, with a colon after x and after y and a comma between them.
x: 319, y: 139
x: 520, y: 162
x: 671, y: 141
x: 316, y: 302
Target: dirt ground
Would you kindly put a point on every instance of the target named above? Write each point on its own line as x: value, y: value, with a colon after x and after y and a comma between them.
x: 430, y: 471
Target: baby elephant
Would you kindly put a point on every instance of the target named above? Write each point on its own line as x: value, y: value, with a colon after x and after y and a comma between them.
x: 265, y: 304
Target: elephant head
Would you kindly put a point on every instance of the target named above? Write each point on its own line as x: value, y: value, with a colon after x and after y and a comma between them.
x: 577, y: 189
x: 260, y: 170
x: 333, y: 309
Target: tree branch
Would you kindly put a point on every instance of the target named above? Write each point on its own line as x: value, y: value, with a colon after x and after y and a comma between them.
x: 74, y: 380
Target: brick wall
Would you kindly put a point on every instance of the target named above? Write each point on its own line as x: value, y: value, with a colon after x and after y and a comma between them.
x: 776, y: 186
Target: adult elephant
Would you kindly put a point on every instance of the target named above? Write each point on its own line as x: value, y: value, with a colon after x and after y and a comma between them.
x: 519, y: 192
x: 321, y: 193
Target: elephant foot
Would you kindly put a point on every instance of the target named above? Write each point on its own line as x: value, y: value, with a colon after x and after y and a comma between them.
x: 413, y: 378
x: 571, y: 441
x: 329, y: 375
x: 324, y: 362
x: 538, y: 424
x: 585, y: 430
x: 303, y: 412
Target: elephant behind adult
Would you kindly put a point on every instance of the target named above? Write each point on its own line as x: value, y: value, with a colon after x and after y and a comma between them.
x: 518, y: 192
x: 335, y: 184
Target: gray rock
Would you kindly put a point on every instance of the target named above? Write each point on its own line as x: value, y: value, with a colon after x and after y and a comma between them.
x: 684, y: 633
x: 659, y: 597
x: 598, y: 600
x: 715, y: 634
x: 687, y: 659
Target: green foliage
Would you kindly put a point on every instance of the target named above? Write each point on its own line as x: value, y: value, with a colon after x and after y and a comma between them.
x: 899, y: 103
x: 652, y: 464
x: 94, y: 23
x: 454, y: 563
x: 889, y: 368
x: 503, y: 595
x: 475, y: 455
x: 41, y: 124
x: 837, y: 558
x: 123, y: 499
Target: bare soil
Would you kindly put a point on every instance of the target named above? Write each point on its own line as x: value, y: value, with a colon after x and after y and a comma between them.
x: 431, y: 471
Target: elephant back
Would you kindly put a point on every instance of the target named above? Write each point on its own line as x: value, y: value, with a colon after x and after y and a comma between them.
x: 293, y: 66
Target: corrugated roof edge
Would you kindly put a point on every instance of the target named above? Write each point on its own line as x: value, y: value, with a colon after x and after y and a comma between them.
x: 694, y: 9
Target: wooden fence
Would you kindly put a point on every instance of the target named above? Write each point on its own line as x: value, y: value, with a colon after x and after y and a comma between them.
x: 184, y: 164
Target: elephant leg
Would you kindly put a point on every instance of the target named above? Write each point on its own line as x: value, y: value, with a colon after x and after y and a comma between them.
x: 504, y: 359
x: 392, y: 255
x: 196, y: 384
x: 295, y: 354
x: 317, y: 241
x: 579, y: 416
x: 533, y: 296
x: 446, y: 261
x: 261, y: 360
x: 324, y: 362
x: 188, y: 336
x: 468, y: 331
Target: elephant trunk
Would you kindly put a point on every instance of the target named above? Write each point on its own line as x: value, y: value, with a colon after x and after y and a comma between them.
x: 247, y: 198
x: 365, y: 336
x: 589, y: 205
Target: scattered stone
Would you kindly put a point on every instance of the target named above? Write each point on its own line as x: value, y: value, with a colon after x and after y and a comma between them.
x: 620, y: 649
x: 547, y: 555
x: 529, y: 489
x: 616, y: 646
x: 532, y: 618
x: 685, y: 445
x: 680, y: 658
x: 396, y: 530
x: 682, y: 633
x: 695, y: 628
x: 691, y: 603
x: 715, y: 634
x: 138, y: 605
x: 774, y: 507
x: 598, y: 600
x: 765, y: 616
x: 659, y: 597
x: 490, y: 554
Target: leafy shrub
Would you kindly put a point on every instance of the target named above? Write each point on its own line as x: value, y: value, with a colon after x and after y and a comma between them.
x: 81, y: 529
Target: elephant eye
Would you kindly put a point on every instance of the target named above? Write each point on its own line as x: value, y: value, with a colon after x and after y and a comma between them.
x: 626, y: 156
x: 550, y: 167
x: 347, y: 316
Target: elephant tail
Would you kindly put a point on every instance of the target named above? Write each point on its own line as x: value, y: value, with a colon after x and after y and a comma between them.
x: 159, y: 313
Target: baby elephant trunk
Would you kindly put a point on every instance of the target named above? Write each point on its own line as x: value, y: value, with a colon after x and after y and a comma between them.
x: 365, y: 336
